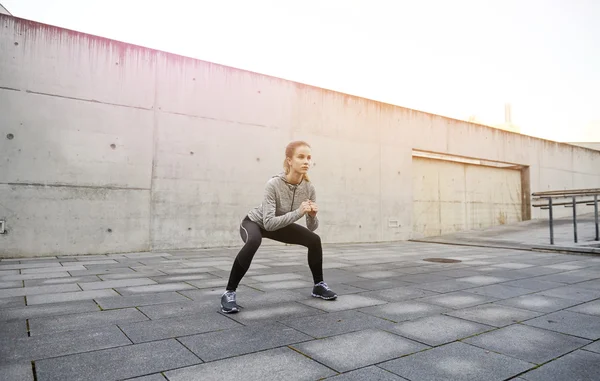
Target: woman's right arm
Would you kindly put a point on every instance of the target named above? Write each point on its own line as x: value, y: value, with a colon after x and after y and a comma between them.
x: 270, y: 220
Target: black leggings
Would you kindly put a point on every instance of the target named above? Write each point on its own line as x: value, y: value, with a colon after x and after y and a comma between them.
x: 294, y: 234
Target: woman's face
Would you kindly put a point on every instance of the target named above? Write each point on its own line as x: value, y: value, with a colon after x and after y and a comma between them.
x: 301, y: 161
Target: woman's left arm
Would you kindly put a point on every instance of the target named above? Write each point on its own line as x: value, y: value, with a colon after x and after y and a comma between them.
x: 312, y: 221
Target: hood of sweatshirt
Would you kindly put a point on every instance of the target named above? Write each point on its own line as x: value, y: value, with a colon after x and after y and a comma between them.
x: 283, y: 177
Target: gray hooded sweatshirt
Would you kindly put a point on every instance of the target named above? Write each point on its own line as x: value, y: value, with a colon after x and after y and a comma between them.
x: 281, y: 202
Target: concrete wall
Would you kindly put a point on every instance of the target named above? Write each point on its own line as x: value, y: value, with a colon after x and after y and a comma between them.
x: 116, y: 148
x: 450, y: 197
x: 3, y: 10
x: 590, y: 145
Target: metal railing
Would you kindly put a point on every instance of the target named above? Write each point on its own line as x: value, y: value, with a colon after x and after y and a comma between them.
x: 573, y: 197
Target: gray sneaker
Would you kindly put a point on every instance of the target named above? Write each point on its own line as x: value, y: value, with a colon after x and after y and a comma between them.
x: 228, y: 304
x: 322, y: 290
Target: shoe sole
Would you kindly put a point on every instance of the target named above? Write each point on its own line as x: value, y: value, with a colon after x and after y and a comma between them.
x: 232, y: 311
x: 322, y: 297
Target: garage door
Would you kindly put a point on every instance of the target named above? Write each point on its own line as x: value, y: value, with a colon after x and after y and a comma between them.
x: 452, y: 196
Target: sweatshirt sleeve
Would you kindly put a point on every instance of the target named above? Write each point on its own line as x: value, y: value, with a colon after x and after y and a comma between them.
x: 312, y: 223
x: 270, y: 221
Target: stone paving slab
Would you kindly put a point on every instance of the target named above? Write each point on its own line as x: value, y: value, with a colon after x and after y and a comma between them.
x: 539, y: 303
x: 572, y: 293
x: 181, y: 278
x: 342, y: 302
x: 516, y: 274
x: 532, y: 284
x: 594, y: 347
x: 152, y: 377
x: 60, y: 344
x: 591, y: 308
x: 25, y: 291
x: 569, y: 277
x: 457, y: 362
x: 30, y: 312
x: 513, y: 266
x: 255, y: 299
x: 99, y: 272
x: 102, y: 268
x: 399, y: 294
x: 405, y: 310
x: 52, y: 275
x: 445, y: 286
x: 590, y: 285
x: 566, y: 266
x: 69, y: 296
x: 45, y: 269
x: 284, y: 285
x: 242, y: 340
x: 458, y: 273
x: 575, y: 366
x: 13, y: 329
x: 11, y: 284
x: 60, y: 280
x: 439, y: 329
x: 109, y: 364
x: 130, y: 275
x: 179, y: 309
x: 243, y: 293
x: 499, y: 291
x: 337, y: 323
x: 537, y: 272
x: 370, y: 373
x: 571, y: 323
x: 483, y: 280
x: 345, y: 289
x: 378, y: 284
x: 18, y: 371
x: 53, y: 324
x: 155, y: 288
x: 115, y: 283
x: 456, y: 300
x: 528, y: 343
x: 269, y: 313
x: 379, y: 274
x: 211, y: 283
x: 358, y: 349
x: 276, y: 277
x: 494, y: 314
x: 19, y: 266
x: 173, y: 271
x: 8, y: 272
x: 14, y: 301
x: 175, y: 327
x: 139, y: 300
x: 275, y: 364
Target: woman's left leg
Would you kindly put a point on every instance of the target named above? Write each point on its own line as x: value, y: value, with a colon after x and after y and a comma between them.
x: 295, y: 234
x: 299, y: 235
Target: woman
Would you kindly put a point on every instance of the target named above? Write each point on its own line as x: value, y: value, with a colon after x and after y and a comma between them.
x: 288, y: 197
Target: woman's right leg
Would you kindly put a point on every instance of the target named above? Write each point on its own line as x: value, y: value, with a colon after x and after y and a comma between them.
x: 252, y: 237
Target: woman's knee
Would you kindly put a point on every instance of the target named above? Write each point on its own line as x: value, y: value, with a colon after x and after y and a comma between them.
x: 314, y: 240
x: 254, y: 242
x: 247, y: 252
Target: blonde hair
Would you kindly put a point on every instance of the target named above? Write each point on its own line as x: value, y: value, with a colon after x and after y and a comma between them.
x: 289, y: 153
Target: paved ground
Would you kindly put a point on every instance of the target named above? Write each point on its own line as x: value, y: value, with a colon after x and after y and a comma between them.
x: 498, y: 314
x: 533, y: 234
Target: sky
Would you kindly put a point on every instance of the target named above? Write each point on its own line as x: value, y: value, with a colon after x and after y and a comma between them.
x: 454, y: 58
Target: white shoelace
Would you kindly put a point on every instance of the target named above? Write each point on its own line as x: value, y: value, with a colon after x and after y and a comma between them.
x: 230, y: 296
x: 324, y: 285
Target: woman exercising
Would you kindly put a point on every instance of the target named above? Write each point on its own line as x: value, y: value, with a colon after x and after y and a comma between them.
x: 287, y: 198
